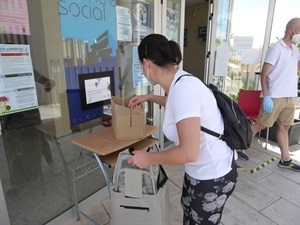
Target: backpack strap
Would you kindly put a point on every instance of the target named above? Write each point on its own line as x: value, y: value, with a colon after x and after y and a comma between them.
x: 217, y: 135
x: 184, y: 75
x: 204, y: 129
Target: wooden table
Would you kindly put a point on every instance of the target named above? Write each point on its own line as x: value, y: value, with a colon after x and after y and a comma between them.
x: 105, y: 149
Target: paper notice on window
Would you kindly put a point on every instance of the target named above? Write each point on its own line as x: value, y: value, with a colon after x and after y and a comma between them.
x: 250, y: 57
x: 172, y: 25
x: 222, y: 60
x: 124, y: 27
x: 97, y: 89
x: 17, y: 85
x: 242, y: 42
x: 139, y: 80
x: 14, y: 17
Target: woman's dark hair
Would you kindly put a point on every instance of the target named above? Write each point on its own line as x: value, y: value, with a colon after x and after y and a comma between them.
x: 160, y: 50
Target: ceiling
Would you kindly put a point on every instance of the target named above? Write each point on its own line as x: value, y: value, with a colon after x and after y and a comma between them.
x: 194, y: 2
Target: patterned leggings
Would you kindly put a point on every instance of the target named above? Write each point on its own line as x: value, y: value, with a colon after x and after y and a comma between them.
x: 203, y: 200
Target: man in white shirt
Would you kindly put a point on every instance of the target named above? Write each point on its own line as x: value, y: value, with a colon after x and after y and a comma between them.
x: 279, y: 82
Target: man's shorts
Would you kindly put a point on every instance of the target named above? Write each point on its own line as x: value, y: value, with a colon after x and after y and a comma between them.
x: 283, y: 113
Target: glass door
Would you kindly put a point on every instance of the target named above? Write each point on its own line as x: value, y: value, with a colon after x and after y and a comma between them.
x: 136, y: 19
x: 146, y: 16
x: 240, y: 34
x: 171, y: 25
x: 237, y: 32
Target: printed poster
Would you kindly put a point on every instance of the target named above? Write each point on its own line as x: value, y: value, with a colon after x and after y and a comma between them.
x: 97, y: 89
x: 139, y: 79
x: 250, y: 57
x: 14, y: 17
x: 124, y: 27
x: 222, y: 59
x: 172, y: 31
x: 17, y: 84
x: 140, y: 18
x: 242, y: 42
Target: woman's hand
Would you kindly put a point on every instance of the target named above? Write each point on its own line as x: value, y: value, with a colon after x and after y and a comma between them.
x: 136, y: 100
x: 140, y: 159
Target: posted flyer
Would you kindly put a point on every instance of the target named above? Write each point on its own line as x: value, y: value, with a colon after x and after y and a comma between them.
x: 17, y: 85
x: 14, y: 17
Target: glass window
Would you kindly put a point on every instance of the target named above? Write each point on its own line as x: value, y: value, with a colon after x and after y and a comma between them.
x: 281, y: 17
x: 69, y: 42
x: 285, y: 10
x: 132, y: 80
x: 241, y: 28
x: 172, y: 30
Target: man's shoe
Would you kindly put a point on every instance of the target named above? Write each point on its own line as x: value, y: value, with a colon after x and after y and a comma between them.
x: 242, y: 155
x: 288, y: 165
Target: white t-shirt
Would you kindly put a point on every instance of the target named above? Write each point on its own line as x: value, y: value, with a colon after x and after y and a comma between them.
x: 189, y: 97
x: 283, y: 78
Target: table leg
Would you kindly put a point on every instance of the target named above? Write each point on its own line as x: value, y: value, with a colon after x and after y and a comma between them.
x: 156, y: 144
x: 89, y: 218
x: 74, y: 185
x: 104, y: 172
x: 77, y: 210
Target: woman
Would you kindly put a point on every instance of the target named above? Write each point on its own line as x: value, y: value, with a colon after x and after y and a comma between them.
x: 210, y: 171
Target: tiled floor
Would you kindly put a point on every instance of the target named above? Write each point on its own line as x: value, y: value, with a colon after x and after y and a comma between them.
x: 269, y: 196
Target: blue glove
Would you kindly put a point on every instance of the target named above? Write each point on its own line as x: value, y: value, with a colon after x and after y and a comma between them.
x: 268, y: 104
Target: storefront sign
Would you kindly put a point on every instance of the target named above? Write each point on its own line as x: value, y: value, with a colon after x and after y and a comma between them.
x: 89, y: 34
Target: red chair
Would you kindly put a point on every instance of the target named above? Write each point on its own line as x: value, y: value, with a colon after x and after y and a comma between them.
x: 250, y: 101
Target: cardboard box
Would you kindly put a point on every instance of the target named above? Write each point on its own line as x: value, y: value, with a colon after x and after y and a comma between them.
x: 126, y: 123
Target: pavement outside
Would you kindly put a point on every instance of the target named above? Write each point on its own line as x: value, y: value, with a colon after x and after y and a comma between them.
x: 264, y: 195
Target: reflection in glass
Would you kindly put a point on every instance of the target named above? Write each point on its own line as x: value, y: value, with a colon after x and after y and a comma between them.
x: 246, y: 38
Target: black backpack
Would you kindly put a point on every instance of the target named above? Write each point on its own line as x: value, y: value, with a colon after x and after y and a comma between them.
x: 237, y: 127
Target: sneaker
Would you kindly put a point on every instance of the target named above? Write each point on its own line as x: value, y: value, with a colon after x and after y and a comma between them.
x: 242, y: 155
x: 289, y: 165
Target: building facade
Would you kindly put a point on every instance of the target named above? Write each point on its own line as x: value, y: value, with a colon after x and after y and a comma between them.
x: 54, y: 55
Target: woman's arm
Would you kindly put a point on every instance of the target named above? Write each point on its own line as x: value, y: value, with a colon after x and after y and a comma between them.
x: 136, y: 100
x: 187, y: 150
